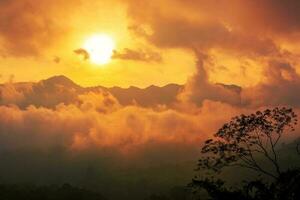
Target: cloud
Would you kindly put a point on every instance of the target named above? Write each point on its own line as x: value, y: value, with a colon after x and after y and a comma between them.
x: 69, y: 134
x: 93, y: 118
x: 265, y: 17
x: 251, y: 32
x: 83, y: 53
x: 10, y: 95
x: 278, y: 88
x: 198, y: 88
x: 56, y: 59
x: 259, y: 16
x: 97, y: 120
x: 202, y: 32
x: 27, y: 28
x: 94, y: 142
x: 210, y: 28
x: 279, y: 82
x: 137, y: 55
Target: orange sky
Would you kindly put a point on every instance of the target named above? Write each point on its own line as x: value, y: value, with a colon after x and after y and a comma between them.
x: 238, y: 38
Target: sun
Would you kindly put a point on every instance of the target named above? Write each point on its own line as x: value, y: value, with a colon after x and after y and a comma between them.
x: 100, y: 48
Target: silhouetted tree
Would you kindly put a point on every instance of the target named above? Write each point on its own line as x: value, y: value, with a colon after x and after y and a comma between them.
x: 239, y: 142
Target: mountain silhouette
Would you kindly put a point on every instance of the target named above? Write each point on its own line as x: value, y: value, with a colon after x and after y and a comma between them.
x: 60, y: 80
x: 60, y: 89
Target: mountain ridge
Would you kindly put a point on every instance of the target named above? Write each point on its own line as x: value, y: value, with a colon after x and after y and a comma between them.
x: 61, y: 89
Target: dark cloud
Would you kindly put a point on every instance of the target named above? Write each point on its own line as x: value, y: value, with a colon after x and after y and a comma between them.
x: 172, y: 31
x: 138, y: 55
x: 57, y: 59
x: 265, y: 16
x: 258, y: 16
x: 83, y: 53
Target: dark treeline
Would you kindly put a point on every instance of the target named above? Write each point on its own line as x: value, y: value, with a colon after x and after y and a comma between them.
x: 29, y: 192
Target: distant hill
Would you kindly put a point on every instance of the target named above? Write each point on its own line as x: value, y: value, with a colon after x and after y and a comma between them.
x: 152, y: 95
x: 60, y: 89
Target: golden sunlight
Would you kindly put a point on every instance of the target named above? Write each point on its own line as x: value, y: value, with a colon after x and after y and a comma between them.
x: 100, y: 48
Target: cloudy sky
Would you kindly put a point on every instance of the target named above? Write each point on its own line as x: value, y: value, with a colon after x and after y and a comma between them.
x: 155, y: 42
x: 229, y: 57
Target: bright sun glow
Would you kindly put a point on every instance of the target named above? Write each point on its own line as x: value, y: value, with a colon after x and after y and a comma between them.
x: 100, y: 48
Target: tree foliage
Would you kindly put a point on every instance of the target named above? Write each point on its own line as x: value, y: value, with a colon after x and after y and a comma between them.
x: 243, y: 142
x: 239, y: 142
